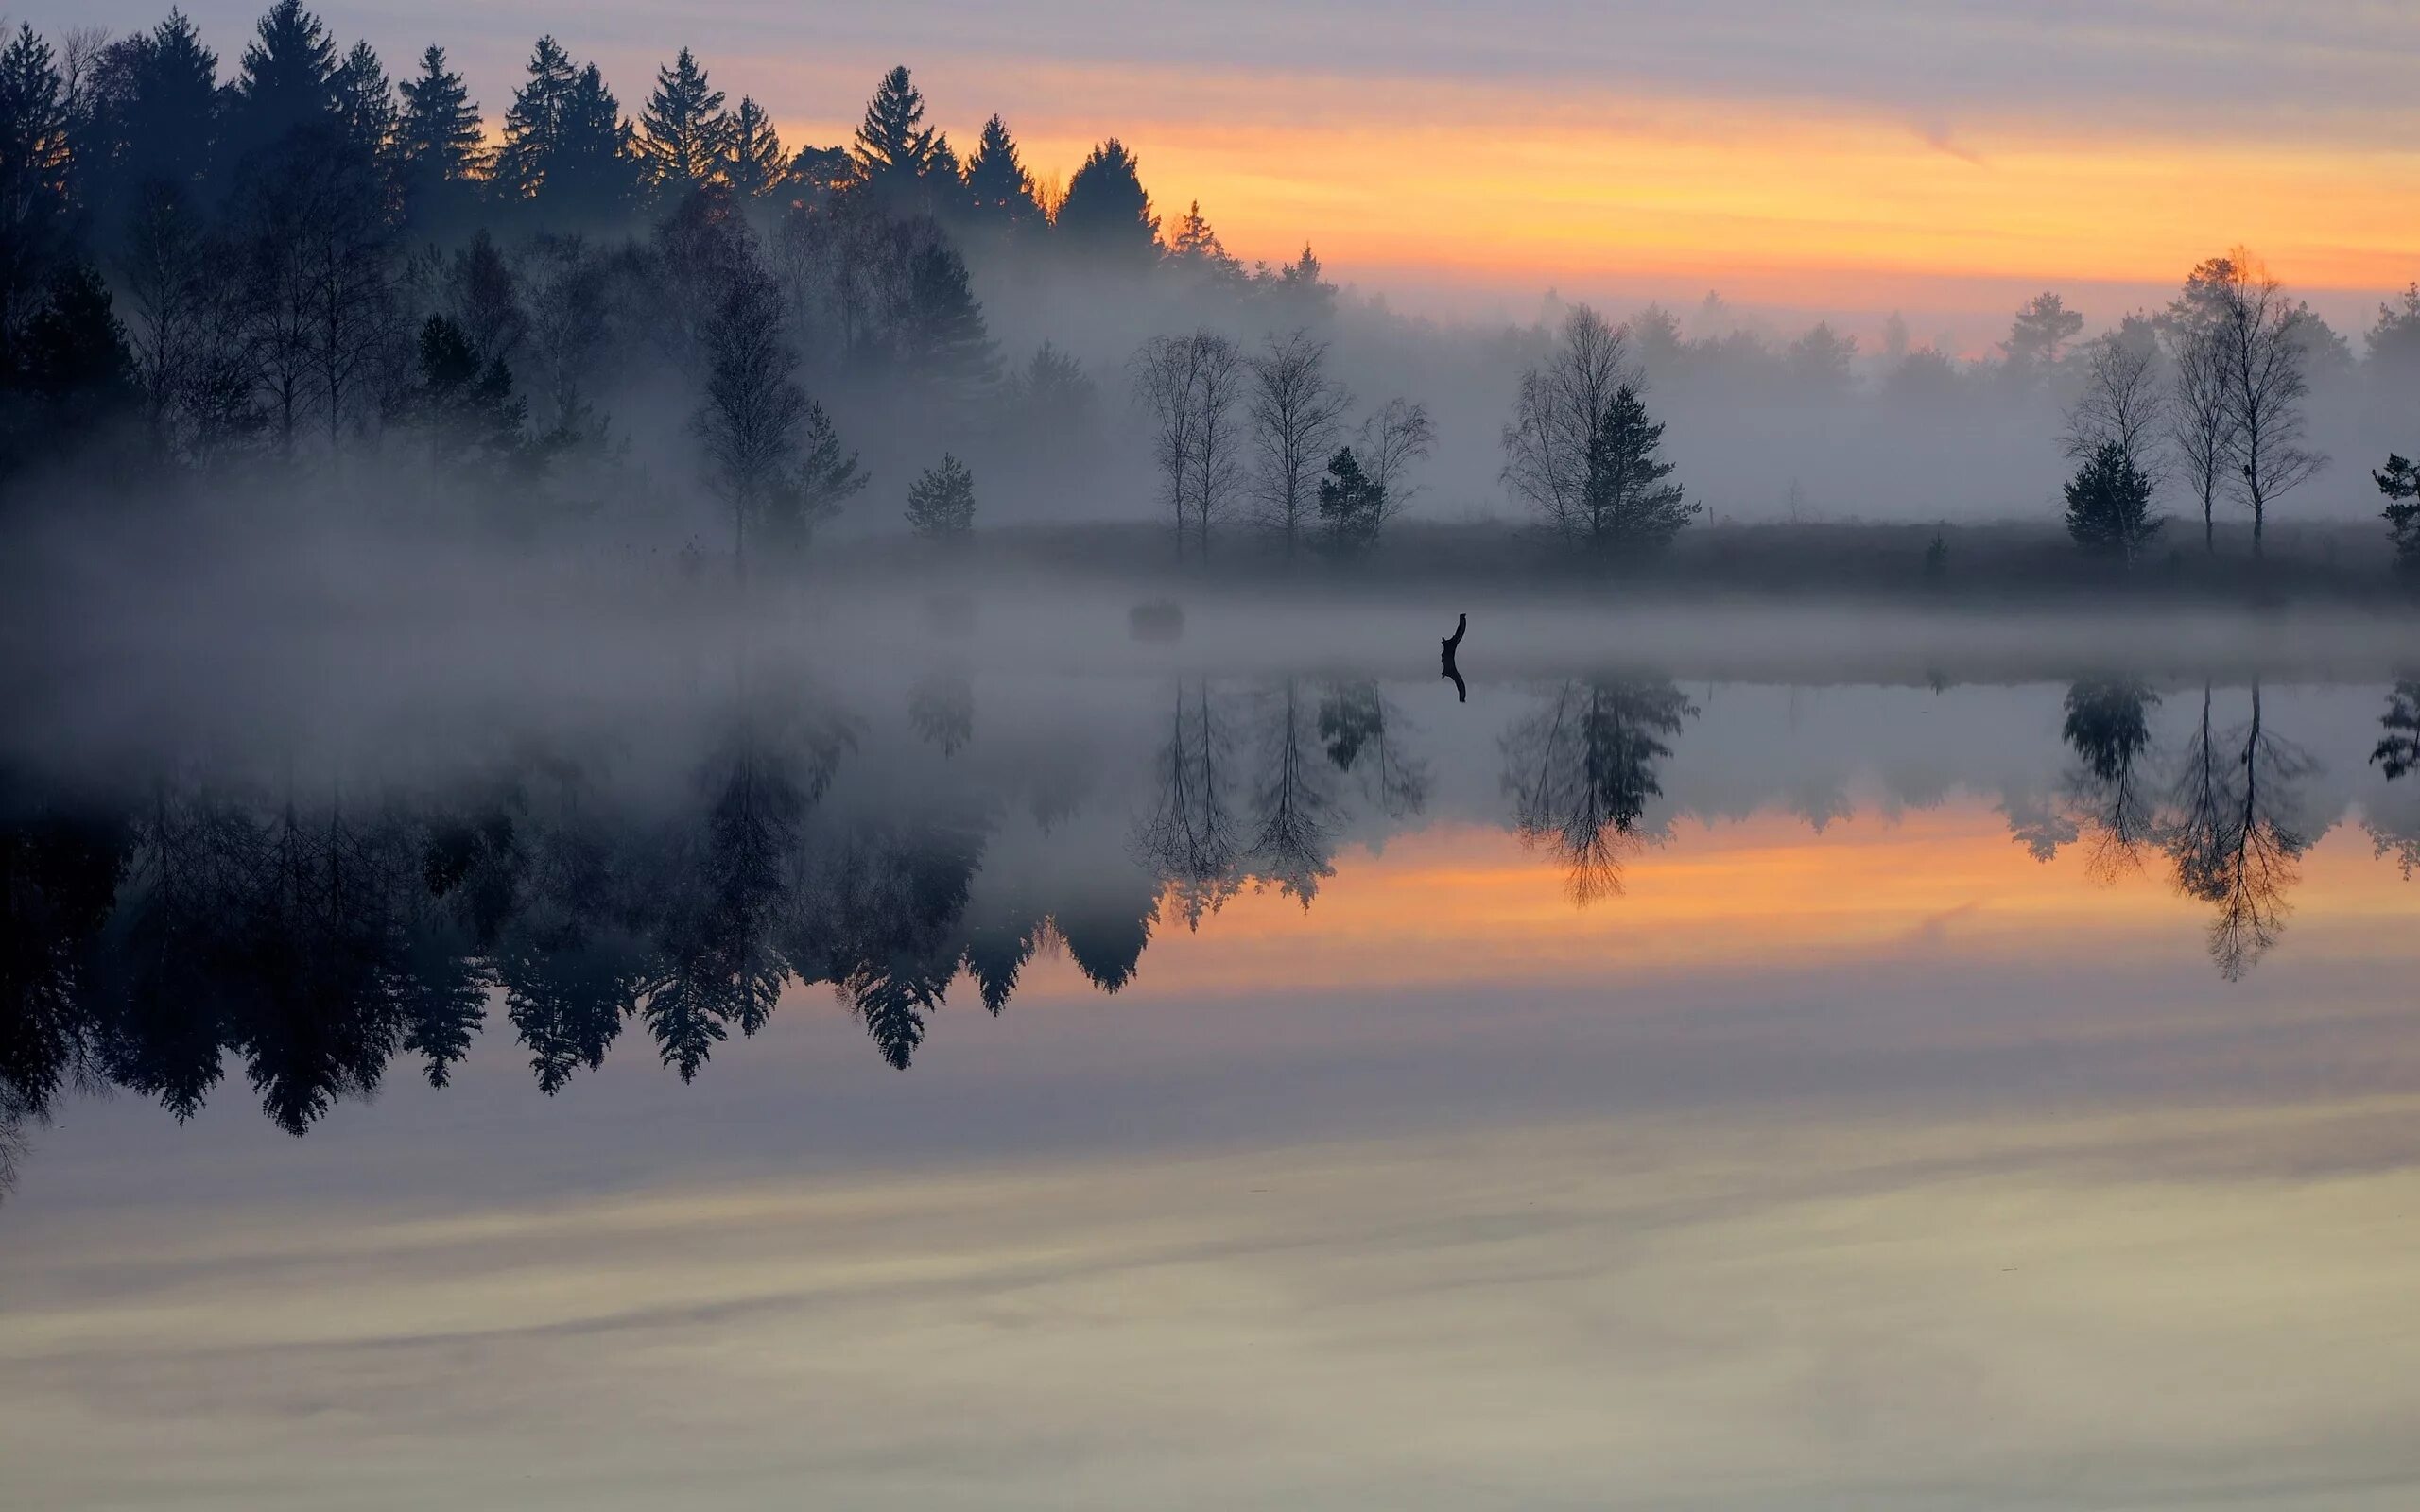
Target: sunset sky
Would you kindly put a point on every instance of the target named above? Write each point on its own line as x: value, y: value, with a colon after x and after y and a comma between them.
x: 1846, y: 161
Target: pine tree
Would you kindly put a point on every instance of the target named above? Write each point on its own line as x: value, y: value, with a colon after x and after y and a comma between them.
x: 941, y: 339
x: 940, y: 503
x: 825, y: 478
x: 1195, y: 249
x: 2400, y: 482
x: 365, y: 108
x: 1627, y: 505
x: 438, y: 146
x: 1107, y: 211
x: 753, y: 161
x: 286, y: 82
x: 168, y: 122
x: 2109, y: 505
x: 533, y: 128
x: 1000, y: 192
x: 1351, y: 506
x: 894, y: 149
x: 34, y: 158
x: 465, y: 399
x: 597, y: 176
x: 683, y: 129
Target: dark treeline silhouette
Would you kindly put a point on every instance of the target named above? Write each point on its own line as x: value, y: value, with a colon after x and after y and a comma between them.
x: 284, y: 266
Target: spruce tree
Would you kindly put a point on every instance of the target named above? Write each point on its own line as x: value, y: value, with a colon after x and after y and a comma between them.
x: 1195, y: 249
x: 171, y: 118
x: 1107, y: 211
x: 940, y: 503
x: 2400, y: 482
x: 533, y: 128
x: 1000, y: 192
x: 437, y: 149
x: 365, y: 108
x: 286, y: 82
x: 597, y: 176
x: 941, y: 339
x: 753, y: 161
x: 895, y: 147
x: 1627, y: 507
x: 34, y: 156
x: 1352, y: 506
x: 683, y: 129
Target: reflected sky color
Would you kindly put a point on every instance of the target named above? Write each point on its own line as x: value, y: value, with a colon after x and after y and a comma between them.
x: 1884, y: 1165
x: 1946, y: 161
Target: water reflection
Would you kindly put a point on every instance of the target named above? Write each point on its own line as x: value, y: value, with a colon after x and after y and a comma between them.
x: 305, y: 931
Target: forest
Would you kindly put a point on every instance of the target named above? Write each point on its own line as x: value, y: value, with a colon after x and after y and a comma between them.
x: 296, y: 287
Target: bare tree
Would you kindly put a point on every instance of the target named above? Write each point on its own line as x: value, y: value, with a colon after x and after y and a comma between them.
x: 2263, y: 355
x: 1559, y: 418
x: 1191, y: 384
x: 2122, y: 402
x: 2199, y: 424
x: 753, y: 405
x: 562, y: 284
x: 1397, y: 435
x: 164, y: 270
x: 1297, y: 415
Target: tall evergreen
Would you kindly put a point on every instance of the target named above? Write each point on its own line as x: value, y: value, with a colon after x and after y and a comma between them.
x: 437, y: 148
x: 1625, y: 500
x: 895, y: 147
x: 1000, y: 192
x: 34, y: 157
x: 365, y: 102
x: 682, y: 132
x: 1195, y: 249
x: 287, y: 82
x: 755, y: 162
x: 2109, y: 505
x: 1107, y: 211
x: 942, y: 341
x: 167, y: 119
x: 533, y: 128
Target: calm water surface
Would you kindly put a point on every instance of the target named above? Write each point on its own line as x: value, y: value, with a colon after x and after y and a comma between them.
x: 982, y: 1086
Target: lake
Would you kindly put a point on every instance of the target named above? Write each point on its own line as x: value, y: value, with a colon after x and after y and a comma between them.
x: 936, y: 1071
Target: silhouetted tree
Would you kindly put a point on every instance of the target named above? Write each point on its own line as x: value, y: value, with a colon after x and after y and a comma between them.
x: 1294, y: 841
x: 1190, y: 386
x: 2123, y: 404
x: 2400, y: 482
x: 2263, y: 361
x: 999, y: 191
x: 2199, y: 424
x: 34, y: 199
x: 1361, y: 730
x: 2399, y: 749
x: 2109, y: 505
x: 1582, y: 770
x: 440, y: 150
x: 285, y: 84
x: 825, y: 478
x: 1397, y: 435
x: 2108, y: 728
x: 1190, y: 837
x: 754, y: 409
x: 2037, y: 339
x: 1107, y: 214
x: 1626, y: 507
x: 893, y: 147
x: 1556, y: 420
x: 940, y: 503
x: 465, y: 400
x: 1195, y: 252
x: 2231, y: 836
x: 1352, y: 508
x: 1296, y: 412
x: 755, y: 162
x: 682, y: 134
x: 940, y: 340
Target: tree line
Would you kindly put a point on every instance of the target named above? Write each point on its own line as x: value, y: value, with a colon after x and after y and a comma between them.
x: 300, y: 267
